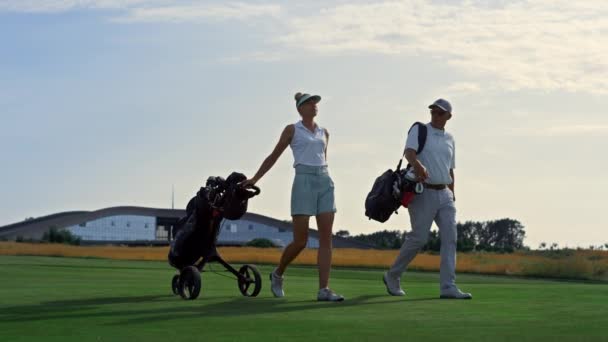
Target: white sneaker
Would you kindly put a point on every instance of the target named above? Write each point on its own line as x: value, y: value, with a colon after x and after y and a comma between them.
x: 276, y: 284
x: 454, y: 293
x: 393, y: 285
x: 327, y: 295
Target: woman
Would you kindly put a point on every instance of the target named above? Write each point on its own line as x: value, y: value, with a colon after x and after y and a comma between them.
x: 312, y: 193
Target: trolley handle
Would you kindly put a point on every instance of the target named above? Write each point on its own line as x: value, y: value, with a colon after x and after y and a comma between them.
x: 256, y: 191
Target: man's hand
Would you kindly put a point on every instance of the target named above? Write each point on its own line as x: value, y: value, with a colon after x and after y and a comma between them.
x: 421, y: 172
x: 419, y: 169
x: 451, y: 186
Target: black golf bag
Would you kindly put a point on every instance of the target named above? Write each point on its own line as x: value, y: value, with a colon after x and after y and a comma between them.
x: 387, y: 191
x: 198, y: 231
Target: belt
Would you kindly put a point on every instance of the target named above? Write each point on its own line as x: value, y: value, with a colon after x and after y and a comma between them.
x: 311, y: 170
x: 435, y: 186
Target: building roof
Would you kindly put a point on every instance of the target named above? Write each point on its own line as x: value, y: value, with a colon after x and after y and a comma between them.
x: 35, y: 228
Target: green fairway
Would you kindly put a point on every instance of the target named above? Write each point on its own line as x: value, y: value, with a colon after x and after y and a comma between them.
x: 61, y: 299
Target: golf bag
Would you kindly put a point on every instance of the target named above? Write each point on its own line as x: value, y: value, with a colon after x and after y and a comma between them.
x: 393, y: 188
x: 198, y: 230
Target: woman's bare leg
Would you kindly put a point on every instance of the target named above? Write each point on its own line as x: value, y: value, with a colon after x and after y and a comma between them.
x: 300, y: 238
x: 325, y: 222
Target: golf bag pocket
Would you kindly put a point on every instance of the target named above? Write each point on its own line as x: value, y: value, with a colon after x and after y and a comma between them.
x: 381, y: 201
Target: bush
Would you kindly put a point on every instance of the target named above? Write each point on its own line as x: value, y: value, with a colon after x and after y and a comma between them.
x: 60, y: 236
x: 20, y: 238
x: 385, y: 239
x: 261, y: 243
x: 553, y: 254
x: 576, y: 267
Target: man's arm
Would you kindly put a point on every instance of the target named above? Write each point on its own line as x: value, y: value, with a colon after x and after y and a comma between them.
x: 419, y: 169
x: 451, y: 186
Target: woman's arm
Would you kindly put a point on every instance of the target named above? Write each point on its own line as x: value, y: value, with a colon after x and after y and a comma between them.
x: 269, y: 162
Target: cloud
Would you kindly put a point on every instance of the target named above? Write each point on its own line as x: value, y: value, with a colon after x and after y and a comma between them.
x: 461, y: 88
x: 562, y: 130
x: 148, y: 10
x: 200, y: 12
x: 259, y: 56
x: 54, y: 6
x: 358, y: 148
x: 578, y: 129
x: 545, y: 44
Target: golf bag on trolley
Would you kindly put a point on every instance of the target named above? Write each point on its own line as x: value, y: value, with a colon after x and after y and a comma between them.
x: 195, y: 242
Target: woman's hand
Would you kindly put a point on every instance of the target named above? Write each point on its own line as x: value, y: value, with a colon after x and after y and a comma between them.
x: 248, y: 182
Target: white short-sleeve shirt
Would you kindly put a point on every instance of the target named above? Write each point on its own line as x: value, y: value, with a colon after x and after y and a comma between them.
x: 438, y: 155
x: 308, y: 147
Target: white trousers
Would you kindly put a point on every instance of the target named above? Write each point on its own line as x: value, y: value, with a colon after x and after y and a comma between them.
x: 438, y: 206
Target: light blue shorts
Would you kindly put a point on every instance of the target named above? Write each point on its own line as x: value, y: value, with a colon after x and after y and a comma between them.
x: 312, y: 192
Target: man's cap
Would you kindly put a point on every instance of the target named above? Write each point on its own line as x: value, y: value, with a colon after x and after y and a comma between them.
x: 442, y: 104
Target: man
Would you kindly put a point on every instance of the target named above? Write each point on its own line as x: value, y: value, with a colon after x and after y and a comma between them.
x: 435, y: 168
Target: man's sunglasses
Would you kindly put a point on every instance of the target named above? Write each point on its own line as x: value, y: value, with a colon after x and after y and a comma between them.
x: 439, y: 111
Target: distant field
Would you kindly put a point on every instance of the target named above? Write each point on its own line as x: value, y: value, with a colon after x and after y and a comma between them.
x: 79, y: 299
x: 582, y: 265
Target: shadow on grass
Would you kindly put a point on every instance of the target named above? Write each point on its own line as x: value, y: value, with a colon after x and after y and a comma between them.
x: 83, y: 266
x: 69, y: 308
x: 168, y: 308
x: 261, y: 306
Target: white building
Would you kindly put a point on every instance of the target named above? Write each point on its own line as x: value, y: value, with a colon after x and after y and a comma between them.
x: 118, y: 228
x: 138, y: 225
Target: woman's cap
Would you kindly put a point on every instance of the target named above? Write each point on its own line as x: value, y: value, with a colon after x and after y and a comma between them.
x: 302, y: 98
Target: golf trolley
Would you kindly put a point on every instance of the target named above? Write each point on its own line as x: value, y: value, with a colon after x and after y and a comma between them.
x: 194, y: 245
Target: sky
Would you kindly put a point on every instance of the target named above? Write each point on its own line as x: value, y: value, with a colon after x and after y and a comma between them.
x: 114, y: 102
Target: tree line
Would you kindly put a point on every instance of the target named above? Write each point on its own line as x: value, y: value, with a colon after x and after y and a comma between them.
x: 503, y: 235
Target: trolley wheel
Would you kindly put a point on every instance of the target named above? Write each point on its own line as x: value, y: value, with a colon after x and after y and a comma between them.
x: 250, y: 281
x: 189, y: 285
x: 175, y: 284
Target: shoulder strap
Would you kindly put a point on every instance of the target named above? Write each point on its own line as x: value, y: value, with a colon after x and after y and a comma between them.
x: 422, y: 133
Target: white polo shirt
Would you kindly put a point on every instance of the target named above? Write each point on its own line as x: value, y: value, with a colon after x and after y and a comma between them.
x: 308, y: 147
x: 438, y: 155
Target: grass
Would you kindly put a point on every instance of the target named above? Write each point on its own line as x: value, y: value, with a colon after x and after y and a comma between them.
x: 78, y: 299
x: 582, y: 265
